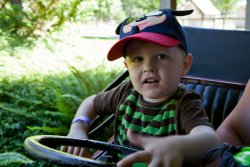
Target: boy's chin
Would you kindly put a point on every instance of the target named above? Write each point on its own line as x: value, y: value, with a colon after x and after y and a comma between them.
x: 154, y: 100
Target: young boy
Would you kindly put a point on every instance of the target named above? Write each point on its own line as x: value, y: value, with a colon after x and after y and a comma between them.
x: 153, y: 103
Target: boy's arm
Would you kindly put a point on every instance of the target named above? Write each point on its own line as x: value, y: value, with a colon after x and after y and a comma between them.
x: 172, y: 150
x: 197, y: 144
x: 85, y: 109
x: 79, y: 129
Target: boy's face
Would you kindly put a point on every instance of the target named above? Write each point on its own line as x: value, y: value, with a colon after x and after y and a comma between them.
x: 155, y: 71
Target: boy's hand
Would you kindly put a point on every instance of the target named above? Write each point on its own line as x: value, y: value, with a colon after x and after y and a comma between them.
x: 158, y: 151
x: 79, y: 151
x: 78, y: 133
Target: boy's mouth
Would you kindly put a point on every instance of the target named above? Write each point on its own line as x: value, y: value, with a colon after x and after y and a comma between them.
x: 149, y: 81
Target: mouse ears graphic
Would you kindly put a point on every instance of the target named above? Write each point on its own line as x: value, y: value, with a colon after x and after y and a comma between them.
x: 161, y: 21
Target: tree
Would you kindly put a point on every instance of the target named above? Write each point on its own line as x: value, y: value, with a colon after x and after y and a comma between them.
x: 138, y: 7
x: 33, y: 18
x: 225, y: 7
x: 16, y: 2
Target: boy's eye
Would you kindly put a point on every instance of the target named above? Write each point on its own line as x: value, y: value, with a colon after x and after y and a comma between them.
x: 137, y: 59
x: 161, y: 56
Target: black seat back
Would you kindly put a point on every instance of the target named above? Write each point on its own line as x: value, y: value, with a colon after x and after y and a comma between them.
x: 219, y: 54
x: 220, y: 68
x: 219, y: 97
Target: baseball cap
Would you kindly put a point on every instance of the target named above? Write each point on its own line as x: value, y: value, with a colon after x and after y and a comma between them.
x: 160, y: 27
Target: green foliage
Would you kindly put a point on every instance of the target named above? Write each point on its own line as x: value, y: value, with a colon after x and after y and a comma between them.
x: 225, y: 5
x: 32, y: 18
x: 50, y: 130
x: 21, y: 24
x: 13, y: 159
x: 44, y: 105
x: 138, y: 7
x: 12, y: 19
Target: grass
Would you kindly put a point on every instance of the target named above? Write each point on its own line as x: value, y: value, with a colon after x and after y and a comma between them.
x: 41, y: 87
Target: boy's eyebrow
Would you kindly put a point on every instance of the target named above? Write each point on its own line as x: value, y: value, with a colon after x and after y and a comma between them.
x: 126, y: 47
x: 129, y: 56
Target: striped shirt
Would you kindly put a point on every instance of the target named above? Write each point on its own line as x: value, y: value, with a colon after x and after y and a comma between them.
x: 146, y: 118
x: 177, y: 115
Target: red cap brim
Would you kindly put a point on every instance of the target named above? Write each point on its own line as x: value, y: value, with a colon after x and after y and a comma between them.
x: 116, y: 50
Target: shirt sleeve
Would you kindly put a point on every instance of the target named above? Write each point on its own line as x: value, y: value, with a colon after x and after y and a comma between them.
x: 106, y: 103
x: 192, y: 112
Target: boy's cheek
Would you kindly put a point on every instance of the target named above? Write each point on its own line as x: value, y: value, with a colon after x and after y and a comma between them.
x: 128, y: 63
x: 133, y: 67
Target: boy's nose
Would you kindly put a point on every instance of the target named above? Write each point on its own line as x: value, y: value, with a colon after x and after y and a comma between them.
x: 149, y: 65
x: 152, y: 69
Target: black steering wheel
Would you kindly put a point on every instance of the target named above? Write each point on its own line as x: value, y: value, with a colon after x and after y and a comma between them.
x: 44, y: 147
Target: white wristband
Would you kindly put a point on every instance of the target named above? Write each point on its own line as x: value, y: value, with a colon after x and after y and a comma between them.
x: 83, y: 119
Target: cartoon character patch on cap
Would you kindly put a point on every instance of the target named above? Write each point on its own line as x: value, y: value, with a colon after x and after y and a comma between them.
x: 150, y: 19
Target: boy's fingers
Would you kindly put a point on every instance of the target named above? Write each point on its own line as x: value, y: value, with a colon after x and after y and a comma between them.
x: 70, y: 150
x: 67, y: 149
x: 63, y: 148
x: 81, y: 153
x: 141, y: 156
x: 156, y: 162
x: 77, y: 151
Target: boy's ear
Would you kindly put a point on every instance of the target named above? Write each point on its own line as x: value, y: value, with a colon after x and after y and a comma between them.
x: 125, y: 63
x: 187, y: 63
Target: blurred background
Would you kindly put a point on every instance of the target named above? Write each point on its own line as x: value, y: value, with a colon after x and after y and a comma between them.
x: 53, y: 55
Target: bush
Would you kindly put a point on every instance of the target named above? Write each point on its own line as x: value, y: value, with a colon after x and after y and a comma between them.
x: 44, y: 106
x: 34, y: 18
